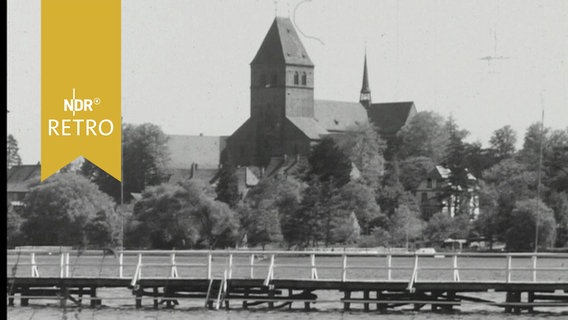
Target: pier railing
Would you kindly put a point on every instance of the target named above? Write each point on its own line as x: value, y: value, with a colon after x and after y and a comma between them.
x: 300, y: 265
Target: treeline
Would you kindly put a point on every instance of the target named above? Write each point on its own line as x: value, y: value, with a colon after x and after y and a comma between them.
x: 355, y: 189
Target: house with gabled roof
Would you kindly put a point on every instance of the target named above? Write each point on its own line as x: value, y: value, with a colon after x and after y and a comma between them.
x: 433, y: 197
x: 20, y: 179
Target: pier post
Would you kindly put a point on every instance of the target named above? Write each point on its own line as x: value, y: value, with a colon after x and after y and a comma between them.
x: 347, y: 305
x: 290, y: 294
x: 93, y: 294
x: 366, y: 297
x: 271, y: 296
x: 63, y: 295
x: 121, y: 265
x: 24, y: 302
x: 530, y: 300
x: 139, y: 293
x: 382, y: 307
x: 252, y: 265
x: 209, y: 258
x: 155, y: 294
x: 245, y: 304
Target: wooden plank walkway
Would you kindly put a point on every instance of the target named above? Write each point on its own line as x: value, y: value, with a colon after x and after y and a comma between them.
x: 280, y: 279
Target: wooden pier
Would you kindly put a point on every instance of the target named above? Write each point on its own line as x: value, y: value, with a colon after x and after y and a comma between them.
x: 286, y: 279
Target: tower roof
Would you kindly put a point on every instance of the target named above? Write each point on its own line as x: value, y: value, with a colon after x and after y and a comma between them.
x: 282, y: 44
x: 365, y: 87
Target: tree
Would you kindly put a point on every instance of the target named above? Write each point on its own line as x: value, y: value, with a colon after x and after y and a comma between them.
x: 228, y: 186
x: 13, y: 223
x: 425, y: 135
x: 365, y: 149
x: 459, y: 186
x: 61, y: 210
x: 144, y: 157
x: 181, y: 216
x: 413, y: 170
x: 267, y: 207
x: 441, y: 227
x: 503, y: 142
x: 13, y: 157
x: 526, y: 215
x: 406, y: 226
x: 359, y: 199
x: 329, y: 164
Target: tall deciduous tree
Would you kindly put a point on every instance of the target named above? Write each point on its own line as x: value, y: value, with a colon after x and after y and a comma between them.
x: 503, y: 142
x: 267, y: 210
x: 12, y: 156
x: 181, y: 216
x: 425, y: 135
x: 406, y: 226
x: 526, y: 216
x: 144, y: 156
x: 64, y: 210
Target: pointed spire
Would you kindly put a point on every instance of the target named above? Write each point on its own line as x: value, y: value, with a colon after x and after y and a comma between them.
x: 365, y: 97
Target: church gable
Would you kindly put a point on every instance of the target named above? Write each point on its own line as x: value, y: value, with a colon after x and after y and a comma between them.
x: 390, y: 117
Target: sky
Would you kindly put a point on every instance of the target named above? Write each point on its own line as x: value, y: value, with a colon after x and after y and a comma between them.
x: 186, y: 63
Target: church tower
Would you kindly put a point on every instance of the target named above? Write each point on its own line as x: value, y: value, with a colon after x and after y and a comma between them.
x: 365, y: 97
x: 282, y: 85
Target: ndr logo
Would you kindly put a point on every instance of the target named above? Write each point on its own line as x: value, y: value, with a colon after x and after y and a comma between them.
x: 75, y: 105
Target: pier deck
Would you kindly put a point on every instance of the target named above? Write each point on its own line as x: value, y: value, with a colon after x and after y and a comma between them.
x: 379, y: 281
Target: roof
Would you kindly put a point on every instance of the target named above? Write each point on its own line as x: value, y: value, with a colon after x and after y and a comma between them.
x: 310, y: 127
x: 20, y: 178
x: 205, y: 151
x: 391, y: 116
x: 180, y: 175
x: 365, y: 86
x: 282, y: 44
x: 339, y: 115
x: 444, y: 173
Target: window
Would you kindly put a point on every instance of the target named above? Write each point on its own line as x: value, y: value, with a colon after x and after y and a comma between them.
x: 304, y: 79
x: 274, y: 79
x: 424, y: 198
x: 429, y: 183
x: 296, y: 78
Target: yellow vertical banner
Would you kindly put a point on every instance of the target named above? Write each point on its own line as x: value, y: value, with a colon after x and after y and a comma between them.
x: 81, y: 84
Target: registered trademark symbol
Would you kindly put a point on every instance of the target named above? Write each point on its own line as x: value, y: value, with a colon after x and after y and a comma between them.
x: 97, y: 101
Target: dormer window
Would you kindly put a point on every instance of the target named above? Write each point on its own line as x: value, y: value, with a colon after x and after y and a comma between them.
x: 304, y: 79
x: 296, y: 78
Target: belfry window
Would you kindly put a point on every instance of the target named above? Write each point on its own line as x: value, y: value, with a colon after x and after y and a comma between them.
x: 304, y: 79
x: 296, y: 78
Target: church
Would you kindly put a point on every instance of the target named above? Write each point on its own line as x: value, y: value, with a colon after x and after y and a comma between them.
x: 285, y: 120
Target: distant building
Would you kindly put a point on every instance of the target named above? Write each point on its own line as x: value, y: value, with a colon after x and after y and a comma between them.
x: 432, y: 194
x: 285, y: 120
x: 20, y: 179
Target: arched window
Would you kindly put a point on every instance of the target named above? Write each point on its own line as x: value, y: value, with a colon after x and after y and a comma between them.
x: 304, y: 79
x: 296, y: 78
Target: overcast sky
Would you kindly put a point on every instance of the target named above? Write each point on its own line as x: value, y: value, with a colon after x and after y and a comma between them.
x: 185, y: 63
